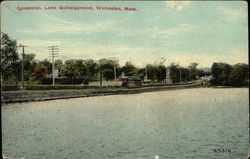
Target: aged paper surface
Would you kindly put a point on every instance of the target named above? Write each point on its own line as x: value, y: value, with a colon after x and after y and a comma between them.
x: 136, y: 60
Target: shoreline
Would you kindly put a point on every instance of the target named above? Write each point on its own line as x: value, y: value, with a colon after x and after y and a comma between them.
x: 30, y: 96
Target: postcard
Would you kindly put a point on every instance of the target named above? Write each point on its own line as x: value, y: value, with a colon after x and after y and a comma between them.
x: 124, y: 80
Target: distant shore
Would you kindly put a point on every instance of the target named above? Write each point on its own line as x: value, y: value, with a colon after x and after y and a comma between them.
x: 43, y: 95
x: 229, y: 87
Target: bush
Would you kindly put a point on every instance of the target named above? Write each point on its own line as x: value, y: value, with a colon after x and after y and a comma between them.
x: 65, y: 80
x: 10, y: 88
x: 44, y: 87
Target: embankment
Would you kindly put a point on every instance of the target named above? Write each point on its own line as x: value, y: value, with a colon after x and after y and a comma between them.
x: 42, y: 95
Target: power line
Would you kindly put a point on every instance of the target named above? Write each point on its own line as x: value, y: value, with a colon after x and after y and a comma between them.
x: 64, y: 57
x: 39, y: 50
x: 54, y: 53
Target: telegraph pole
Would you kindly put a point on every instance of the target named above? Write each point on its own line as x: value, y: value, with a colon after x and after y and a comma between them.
x: 53, y: 52
x: 167, y: 71
x: 180, y: 73
x: 114, y: 59
x: 22, y: 65
x: 100, y: 77
x: 186, y: 75
x: 167, y: 74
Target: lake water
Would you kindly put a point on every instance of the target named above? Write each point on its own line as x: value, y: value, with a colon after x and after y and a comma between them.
x: 192, y: 123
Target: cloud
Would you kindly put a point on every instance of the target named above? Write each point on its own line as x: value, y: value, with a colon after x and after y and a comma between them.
x: 138, y: 55
x: 206, y: 59
x: 142, y: 56
x: 177, y: 5
x: 40, y: 42
x: 158, y: 32
x: 69, y: 27
x: 84, y: 28
x: 72, y: 28
x: 229, y: 13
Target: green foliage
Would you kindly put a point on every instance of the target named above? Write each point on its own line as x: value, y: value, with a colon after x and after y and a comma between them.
x: 11, y: 64
x: 151, y: 72
x: 227, y: 75
x: 107, y: 67
x: 239, y: 76
x: 58, y: 64
x: 129, y: 69
x: 48, y: 64
x: 193, y: 71
x: 160, y: 73
x: 175, y: 72
x: 10, y: 61
x: 72, y: 68
x: 92, y: 68
x: 29, y: 61
x: 40, y: 72
x: 65, y: 80
x: 220, y: 73
x: 185, y: 74
x: 141, y: 73
x: 10, y: 88
x: 29, y: 64
x: 155, y: 72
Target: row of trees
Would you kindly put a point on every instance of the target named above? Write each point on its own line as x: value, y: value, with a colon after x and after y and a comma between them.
x: 35, y: 70
x: 228, y: 75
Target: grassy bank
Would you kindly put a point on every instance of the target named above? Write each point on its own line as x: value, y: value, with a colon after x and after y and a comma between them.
x: 41, y: 95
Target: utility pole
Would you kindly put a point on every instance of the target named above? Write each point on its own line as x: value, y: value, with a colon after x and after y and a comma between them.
x: 22, y: 65
x: 167, y: 74
x: 167, y: 70
x: 114, y: 59
x: 53, y: 52
x: 100, y: 77
x: 115, y: 72
x: 180, y: 73
x: 186, y: 75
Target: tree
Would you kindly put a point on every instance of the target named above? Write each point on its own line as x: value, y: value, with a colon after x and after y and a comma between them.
x: 160, y: 72
x: 40, y: 72
x: 141, y: 73
x: 74, y: 68
x: 107, y: 68
x: 239, y: 76
x: 70, y: 69
x: 185, y: 74
x: 220, y: 73
x: 10, y: 61
x: 174, y: 72
x: 58, y: 64
x: 193, y: 72
x: 92, y: 68
x: 81, y: 67
x: 151, y: 72
x: 129, y: 69
x: 29, y: 64
x: 48, y: 64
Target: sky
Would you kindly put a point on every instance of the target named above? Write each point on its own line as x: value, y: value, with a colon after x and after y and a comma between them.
x: 179, y: 31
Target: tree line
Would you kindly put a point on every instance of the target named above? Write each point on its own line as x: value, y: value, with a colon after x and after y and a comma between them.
x: 230, y: 75
x: 37, y: 70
